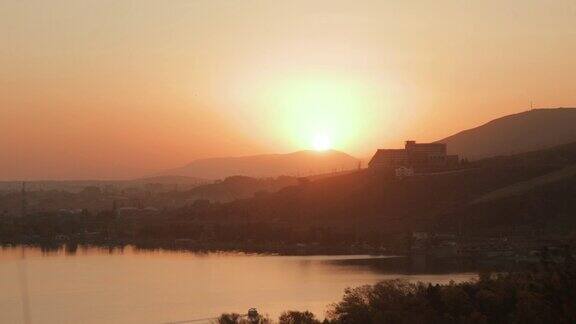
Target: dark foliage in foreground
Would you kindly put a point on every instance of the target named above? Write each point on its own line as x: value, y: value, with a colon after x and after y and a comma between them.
x: 295, y: 317
x: 288, y: 317
x: 545, y: 295
x: 234, y: 318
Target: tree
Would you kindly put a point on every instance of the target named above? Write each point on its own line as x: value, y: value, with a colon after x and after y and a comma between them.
x: 296, y: 317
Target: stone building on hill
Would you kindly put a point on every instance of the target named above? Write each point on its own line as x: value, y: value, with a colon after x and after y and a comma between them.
x: 421, y: 157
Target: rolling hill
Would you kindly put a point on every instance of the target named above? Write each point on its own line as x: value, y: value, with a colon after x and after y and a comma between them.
x: 169, y: 180
x: 301, y: 163
x: 527, y: 131
x: 527, y: 190
x: 237, y: 187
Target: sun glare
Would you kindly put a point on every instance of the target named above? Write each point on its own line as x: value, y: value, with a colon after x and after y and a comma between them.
x: 321, y: 143
x: 315, y: 109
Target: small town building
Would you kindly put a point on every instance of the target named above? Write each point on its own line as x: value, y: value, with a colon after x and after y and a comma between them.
x: 414, y: 157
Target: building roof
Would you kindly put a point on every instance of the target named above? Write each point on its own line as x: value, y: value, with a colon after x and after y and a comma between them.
x: 383, y: 153
x: 411, y: 150
x: 429, y: 144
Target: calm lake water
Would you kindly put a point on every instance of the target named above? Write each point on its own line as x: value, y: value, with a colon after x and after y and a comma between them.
x: 136, y: 286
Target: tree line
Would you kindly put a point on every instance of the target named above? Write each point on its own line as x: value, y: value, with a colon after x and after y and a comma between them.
x: 543, y: 294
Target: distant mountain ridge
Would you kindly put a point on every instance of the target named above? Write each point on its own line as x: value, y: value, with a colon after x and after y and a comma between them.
x: 526, y: 131
x: 170, y: 179
x: 301, y: 163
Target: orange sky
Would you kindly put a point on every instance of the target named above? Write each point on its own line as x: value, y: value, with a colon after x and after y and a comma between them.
x: 112, y: 89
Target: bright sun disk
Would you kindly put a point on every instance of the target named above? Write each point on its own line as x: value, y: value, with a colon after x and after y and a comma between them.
x: 321, y: 143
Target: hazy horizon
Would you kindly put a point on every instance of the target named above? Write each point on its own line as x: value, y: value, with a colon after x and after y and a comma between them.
x: 120, y: 89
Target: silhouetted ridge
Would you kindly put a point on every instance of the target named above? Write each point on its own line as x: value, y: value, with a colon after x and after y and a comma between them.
x: 527, y: 131
x: 301, y: 163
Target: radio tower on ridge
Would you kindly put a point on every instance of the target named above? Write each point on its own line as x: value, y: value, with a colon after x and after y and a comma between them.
x: 24, y: 201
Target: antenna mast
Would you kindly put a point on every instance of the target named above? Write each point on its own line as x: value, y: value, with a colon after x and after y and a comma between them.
x: 24, y: 201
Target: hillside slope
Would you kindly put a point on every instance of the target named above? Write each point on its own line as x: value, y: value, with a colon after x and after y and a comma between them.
x: 527, y: 131
x: 237, y: 187
x: 362, y: 203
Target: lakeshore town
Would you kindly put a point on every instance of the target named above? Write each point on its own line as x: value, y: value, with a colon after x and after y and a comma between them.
x: 218, y: 215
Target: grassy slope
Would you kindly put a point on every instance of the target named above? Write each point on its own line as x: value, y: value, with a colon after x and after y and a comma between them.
x: 364, y: 202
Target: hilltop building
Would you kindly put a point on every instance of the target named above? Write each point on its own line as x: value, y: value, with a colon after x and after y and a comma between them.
x: 414, y: 156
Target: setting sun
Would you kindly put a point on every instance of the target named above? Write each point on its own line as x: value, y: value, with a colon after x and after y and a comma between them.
x: 321, y: 143
x: 316, y: 110
x: 339, y: 153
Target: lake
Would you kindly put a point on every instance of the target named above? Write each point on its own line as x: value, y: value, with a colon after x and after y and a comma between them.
x: 128, y: 285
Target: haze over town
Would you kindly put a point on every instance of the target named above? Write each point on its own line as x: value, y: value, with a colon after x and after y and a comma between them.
x: 121, y: 89
x: 288, y: 162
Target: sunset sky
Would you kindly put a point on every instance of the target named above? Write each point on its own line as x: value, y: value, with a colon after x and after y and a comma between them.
x: 115, y: 89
